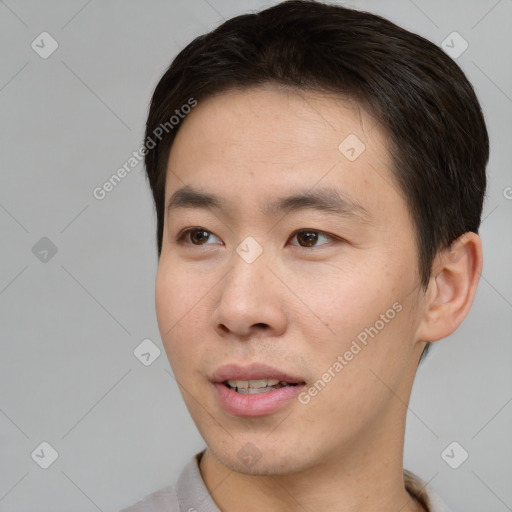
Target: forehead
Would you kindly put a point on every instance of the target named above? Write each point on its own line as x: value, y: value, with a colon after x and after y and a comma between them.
x: 262, y: 142
x: 270, y: 119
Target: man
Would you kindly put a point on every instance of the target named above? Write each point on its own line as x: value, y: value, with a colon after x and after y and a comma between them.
x: 318, y: 175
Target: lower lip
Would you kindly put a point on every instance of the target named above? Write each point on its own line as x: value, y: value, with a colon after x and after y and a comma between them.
x: 258, y: 404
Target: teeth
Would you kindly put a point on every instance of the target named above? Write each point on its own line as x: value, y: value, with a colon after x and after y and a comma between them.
x: 240, y: 384
x: 262, y: 383
x: 253, y: 391
x: 252, y: 384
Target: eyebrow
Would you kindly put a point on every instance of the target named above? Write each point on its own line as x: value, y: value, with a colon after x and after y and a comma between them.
x: 326, y: 199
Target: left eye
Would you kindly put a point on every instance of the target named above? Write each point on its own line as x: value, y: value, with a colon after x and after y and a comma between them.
x: 310, y: 237
x: 196, y: 236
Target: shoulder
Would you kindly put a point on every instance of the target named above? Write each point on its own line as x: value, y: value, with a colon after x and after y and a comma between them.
x: 424, y: 492
x: 163, y: 499
x: 184, y: 496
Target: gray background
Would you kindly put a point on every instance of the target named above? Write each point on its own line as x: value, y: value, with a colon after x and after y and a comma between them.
x: 69, y: 325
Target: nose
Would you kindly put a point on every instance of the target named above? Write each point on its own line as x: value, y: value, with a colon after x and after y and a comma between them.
x: 251, y: 300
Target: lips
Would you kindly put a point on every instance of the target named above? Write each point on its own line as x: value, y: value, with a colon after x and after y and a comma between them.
x: 253, y: 372
x: 254, y: 390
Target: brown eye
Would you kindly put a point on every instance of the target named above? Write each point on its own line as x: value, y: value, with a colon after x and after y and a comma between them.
x: 310, y: 237
x: 199, y: 236
x: 195, y: 236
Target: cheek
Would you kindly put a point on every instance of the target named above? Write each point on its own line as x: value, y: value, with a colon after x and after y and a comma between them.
x: 178, y: 301
x: 179, y: 292
x: 345, y: 297
x: 368, y: 320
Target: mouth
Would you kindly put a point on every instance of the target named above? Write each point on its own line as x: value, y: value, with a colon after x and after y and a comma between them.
x: 252, y: 387
x: 254, y: 390
x: 253, y: 378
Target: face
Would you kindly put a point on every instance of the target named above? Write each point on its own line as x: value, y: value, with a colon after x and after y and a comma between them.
x: 291, y: 256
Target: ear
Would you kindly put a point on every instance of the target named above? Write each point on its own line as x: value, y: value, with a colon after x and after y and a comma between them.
x: 452, y: 287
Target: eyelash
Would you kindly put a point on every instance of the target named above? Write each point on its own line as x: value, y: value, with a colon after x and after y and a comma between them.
x: 184, y: 234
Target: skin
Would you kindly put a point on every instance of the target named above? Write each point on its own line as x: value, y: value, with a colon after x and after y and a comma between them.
x: 299, y: 308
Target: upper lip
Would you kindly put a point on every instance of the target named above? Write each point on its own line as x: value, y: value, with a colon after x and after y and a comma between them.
x: 253, y: 371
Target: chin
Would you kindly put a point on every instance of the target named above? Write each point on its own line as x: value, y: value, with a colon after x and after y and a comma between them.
x: 260, y: 458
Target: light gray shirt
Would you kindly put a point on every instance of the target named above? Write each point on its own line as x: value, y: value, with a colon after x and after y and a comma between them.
x: 189, y: 494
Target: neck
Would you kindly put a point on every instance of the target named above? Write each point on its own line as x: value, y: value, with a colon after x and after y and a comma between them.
x: 368, y: 476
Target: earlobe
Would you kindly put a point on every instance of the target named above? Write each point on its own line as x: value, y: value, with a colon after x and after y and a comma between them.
x: 455, y: 275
